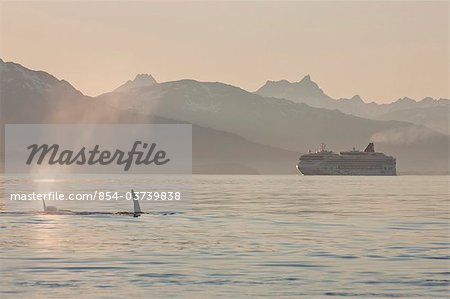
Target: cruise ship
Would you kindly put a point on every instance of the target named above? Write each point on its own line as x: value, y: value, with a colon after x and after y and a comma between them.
x: 354, y: 162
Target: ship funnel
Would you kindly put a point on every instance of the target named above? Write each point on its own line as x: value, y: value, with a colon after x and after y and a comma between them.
x: 370, y: 148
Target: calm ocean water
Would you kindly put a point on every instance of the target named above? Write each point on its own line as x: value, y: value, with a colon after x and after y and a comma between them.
x: 246, y: 236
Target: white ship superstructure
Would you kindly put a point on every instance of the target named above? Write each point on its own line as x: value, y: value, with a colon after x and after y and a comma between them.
x: 352, y: 162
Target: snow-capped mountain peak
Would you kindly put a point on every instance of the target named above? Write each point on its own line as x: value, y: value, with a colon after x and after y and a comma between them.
x: 141, y: 80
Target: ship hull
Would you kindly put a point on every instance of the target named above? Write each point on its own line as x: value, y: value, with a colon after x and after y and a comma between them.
x: 329, y: 170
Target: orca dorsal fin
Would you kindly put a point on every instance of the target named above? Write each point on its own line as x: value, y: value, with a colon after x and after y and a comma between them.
x: 136, y: 206
x: 45, y: 208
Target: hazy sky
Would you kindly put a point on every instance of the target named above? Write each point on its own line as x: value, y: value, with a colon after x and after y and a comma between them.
x: 380, y: 50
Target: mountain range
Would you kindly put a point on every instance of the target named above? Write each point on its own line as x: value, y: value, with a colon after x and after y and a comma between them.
x: 234, y: 131
x: 429, y: 112
x: 35, y: 97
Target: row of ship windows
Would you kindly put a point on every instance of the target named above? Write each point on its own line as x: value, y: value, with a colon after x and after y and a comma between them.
x: 359, y: 163
x: 360, y: 167
x: 344, y: 160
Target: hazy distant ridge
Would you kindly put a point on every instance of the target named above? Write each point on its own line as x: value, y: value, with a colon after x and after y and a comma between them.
x: 308, y: 92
